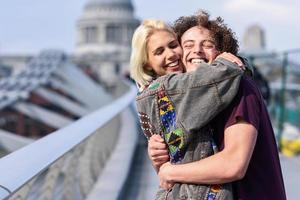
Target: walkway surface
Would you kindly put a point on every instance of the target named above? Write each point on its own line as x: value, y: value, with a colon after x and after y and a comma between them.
x: 291, y: 174
x: 144, y: 183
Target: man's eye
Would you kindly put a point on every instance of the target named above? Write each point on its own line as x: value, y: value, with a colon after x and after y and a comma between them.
x: 208, y: 45
x: 188, y: 46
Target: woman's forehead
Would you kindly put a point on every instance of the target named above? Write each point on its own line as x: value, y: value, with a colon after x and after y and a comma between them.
x: 161, y: 36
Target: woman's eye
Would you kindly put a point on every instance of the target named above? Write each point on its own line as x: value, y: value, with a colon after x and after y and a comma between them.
x: 158, y: 52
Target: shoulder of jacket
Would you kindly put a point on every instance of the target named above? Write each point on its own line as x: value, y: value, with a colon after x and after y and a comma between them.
x: 152, y: 89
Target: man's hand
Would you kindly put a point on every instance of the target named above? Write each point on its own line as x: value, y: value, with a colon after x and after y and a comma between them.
x: 157, y: 151
x: 232, y: 58
x: 163, y: 180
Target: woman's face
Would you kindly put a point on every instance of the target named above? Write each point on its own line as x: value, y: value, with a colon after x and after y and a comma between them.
x: 164, y: 53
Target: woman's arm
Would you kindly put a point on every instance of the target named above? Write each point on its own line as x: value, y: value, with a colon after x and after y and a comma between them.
x: 209, y: 90
x: 206, y: 92
x: 200, y: 95
x: 228, y: 165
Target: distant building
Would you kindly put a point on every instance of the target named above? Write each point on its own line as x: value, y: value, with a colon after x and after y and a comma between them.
x: 48, y: 92
x: 103, y: 45
x: 15, y: 62
x: 5, y: 70
x: 104, y: 34
x: 254, y: 39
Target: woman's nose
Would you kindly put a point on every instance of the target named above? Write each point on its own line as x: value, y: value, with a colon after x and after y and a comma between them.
x: 172, y: 54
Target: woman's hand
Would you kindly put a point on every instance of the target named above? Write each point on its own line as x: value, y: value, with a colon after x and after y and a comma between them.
x: 232, y: 58
x: 164, y: 181
x: 157, y: 151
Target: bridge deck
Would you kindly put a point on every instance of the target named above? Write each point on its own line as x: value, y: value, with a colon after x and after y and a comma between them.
x: 144, y: 182
x: 291, y: 175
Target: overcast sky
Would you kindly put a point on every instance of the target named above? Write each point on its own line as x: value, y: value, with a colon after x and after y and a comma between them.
x: 28, y: 26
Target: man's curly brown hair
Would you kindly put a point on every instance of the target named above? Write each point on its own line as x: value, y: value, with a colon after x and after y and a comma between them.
x: 225, y: 40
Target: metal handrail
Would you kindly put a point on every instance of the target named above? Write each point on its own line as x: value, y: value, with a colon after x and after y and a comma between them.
x: 20, y: 167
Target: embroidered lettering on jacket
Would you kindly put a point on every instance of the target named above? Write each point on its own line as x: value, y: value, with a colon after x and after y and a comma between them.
x: 173, y: 135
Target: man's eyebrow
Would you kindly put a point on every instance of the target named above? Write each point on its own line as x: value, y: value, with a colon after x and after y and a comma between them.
x: 209, y: 40
x: 185, y: 41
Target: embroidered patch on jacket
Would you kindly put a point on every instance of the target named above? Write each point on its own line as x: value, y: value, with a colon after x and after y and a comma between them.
x: 154, y: 86
x: 146, y: 125
x: 173, y: 135
x: 174, y: 139
x: 166, y: 112
x: 213, y: 191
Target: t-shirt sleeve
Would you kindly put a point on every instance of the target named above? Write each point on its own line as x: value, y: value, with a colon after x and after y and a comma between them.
x: 246, y: 105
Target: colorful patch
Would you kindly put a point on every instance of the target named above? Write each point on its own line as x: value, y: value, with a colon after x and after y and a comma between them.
x: 166, y: 112
x: 215, y: 188
x: 165, y: 106
x: 211, y: 196
x: 213, y: 191
x: 174, y: 139
x: 173, y: 135
x: 154, y: 86
x: 146, y: 125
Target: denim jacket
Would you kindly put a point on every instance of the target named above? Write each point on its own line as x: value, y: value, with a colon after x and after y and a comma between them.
x: 179, y: 107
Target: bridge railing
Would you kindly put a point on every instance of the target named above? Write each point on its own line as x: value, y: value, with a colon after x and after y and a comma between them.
x: 67, y: 163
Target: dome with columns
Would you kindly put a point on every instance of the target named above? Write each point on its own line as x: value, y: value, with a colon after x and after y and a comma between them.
x: 109, y: 3
x: 105, y: 26
x: 104, y: 33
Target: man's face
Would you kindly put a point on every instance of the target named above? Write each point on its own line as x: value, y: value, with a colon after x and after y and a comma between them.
x: 198, y: 46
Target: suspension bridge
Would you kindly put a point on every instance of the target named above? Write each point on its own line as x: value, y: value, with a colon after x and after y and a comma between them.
x: 96, y: 150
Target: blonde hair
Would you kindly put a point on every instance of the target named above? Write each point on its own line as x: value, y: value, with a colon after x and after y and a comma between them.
x: 139, y: 56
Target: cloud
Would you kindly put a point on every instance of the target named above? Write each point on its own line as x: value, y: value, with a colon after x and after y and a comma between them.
x: 282, y: 11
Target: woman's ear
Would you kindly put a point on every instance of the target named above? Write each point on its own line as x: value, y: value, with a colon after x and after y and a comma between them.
x: 148, y: 68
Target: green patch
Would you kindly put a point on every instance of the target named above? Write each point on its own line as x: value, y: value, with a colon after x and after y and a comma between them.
x: 174, y: 140
x: 154, y: 86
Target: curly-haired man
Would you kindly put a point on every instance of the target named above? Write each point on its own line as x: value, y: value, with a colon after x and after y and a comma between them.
x: 248, y: 155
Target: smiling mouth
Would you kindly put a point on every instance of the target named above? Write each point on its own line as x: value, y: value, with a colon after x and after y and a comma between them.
x: 198, y: 60
x: 173, y: 64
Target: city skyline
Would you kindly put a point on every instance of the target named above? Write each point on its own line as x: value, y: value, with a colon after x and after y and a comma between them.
x: 28, y: 26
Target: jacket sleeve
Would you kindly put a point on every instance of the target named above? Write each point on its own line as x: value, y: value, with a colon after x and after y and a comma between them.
x: 200, y: 95
x: 249, y: 69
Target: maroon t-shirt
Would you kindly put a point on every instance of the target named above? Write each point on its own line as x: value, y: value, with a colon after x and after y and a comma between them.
x: 263, y: 179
